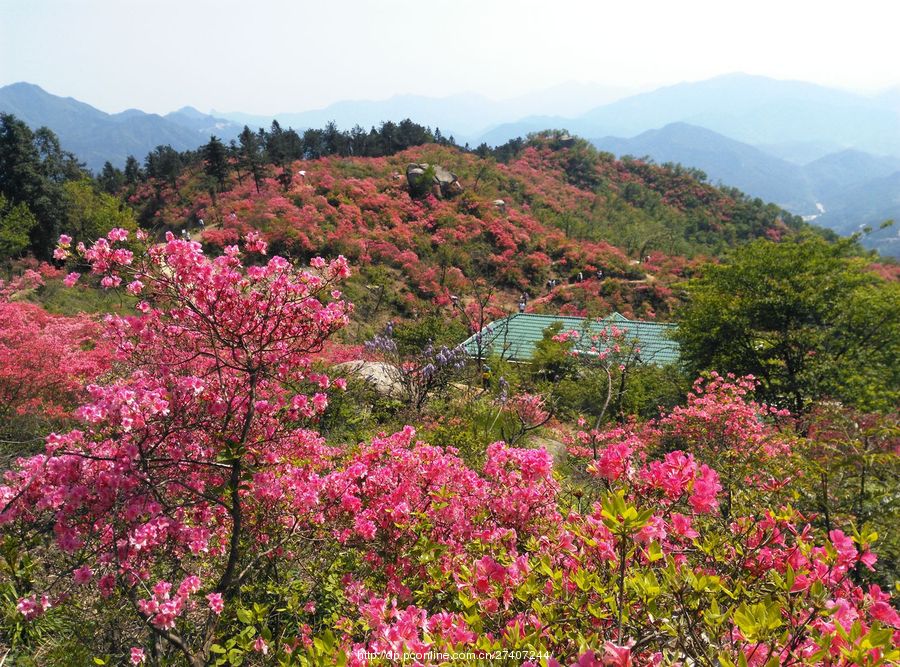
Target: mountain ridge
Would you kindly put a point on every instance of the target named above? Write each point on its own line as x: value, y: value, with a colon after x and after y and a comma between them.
x: 827, y: 190
x: 96, y: 136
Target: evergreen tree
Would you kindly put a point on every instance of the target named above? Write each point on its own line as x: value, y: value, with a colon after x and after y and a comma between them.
x: 164, y: 164
x: 32, y: 169
x: 133, y: 172
x: 251, y: 158
x: 111, y: 179
x: 215, y: 161
x: 234, y: 156
x: 313, y: 144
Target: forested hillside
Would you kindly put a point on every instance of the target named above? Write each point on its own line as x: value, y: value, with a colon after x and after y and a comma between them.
x: 549, y: 208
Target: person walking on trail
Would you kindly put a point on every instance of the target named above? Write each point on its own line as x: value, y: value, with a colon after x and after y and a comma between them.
x: 485, y: 377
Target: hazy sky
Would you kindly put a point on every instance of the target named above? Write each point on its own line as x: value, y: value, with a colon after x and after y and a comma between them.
x: 267, y: 56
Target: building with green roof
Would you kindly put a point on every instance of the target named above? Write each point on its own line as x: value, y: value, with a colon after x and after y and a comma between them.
x: 514, y: 337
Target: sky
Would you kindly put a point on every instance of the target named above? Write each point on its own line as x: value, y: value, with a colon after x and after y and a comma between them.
x: 270, y: 56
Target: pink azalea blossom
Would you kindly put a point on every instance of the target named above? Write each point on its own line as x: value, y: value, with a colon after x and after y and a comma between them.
x: 216, y: 603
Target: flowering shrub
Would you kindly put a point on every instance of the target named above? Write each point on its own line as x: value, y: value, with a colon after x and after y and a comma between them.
x: 606, y: 357
x: 178, y: 484
x: 420, y: 374
x: 45, y: 361
x: 196, y: 517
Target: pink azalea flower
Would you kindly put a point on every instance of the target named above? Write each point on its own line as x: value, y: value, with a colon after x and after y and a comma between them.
x: 83, y: 575
x: 216, y: 603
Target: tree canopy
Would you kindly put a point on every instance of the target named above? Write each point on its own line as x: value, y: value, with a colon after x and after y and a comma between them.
x: 806, y: 317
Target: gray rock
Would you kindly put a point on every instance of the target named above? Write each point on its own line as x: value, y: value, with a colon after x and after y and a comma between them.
x: 444, y: 183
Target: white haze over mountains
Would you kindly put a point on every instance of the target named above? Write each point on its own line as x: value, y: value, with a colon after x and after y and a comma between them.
x: 465, y: 115
x: 273, y: 56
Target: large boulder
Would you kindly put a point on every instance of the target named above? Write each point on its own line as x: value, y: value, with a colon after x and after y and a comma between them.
x: 443, y: 182
x: 381, y: 376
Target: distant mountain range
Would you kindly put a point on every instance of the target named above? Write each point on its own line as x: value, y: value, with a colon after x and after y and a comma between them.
x: 815, y: 151
x: 843, y: 191
x: 464, y: 116
x: 724, y: 160
x: 96, y: 137
x: 752, y: 109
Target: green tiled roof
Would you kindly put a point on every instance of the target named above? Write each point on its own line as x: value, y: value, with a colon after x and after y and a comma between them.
x: 515, y: 336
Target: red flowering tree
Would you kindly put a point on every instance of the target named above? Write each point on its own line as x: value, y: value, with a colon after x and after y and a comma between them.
x: 194, y: 467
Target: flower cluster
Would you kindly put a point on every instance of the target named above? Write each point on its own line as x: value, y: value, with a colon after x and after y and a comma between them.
x: 197, y: 501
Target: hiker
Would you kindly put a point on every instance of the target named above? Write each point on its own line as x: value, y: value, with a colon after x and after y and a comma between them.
x: 485, y: 377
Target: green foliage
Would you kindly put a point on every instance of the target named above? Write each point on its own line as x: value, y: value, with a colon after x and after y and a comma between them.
x: 57, y: 299
x: 412, y: 336
x: 165, y: 164
x: 421, y: 185
x: 353, y: 414
x: 647, y: 391
x: 33, y: 168
x: 552, y: 360
x: 133, y: 172
x: 112, y: 179
x: 653, y: 390
x: 250, y: 157
x: 16, y: 223
x: 469, y: 423
x: 806, y: 317
x: 578, y: 387
x: 91, y: 214
x: 215, y: 161
x: 850, y: 474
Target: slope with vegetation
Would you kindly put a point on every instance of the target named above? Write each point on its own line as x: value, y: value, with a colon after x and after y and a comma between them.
x: 215, y: 487
x: 551, y: 208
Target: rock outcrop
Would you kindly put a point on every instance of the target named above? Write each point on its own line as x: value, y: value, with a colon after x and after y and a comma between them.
x: 443, y: 182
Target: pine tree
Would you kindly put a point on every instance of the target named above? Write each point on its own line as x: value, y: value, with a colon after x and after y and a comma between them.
x: 251, y: 159
x: 215, y: 161
x: 111, y: 179
x: 133, y: 172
